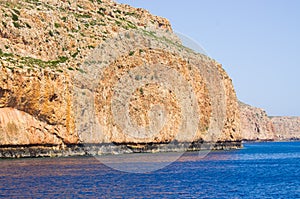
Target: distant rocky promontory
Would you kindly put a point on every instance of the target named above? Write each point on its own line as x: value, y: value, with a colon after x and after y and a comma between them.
x: 258, y: 126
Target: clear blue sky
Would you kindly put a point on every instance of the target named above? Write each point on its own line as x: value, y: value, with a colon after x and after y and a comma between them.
x: 257, y: 41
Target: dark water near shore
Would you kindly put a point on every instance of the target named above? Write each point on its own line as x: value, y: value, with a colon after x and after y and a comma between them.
x: 260, y: 170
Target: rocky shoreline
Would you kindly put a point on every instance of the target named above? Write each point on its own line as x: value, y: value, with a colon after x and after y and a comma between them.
x: 52, y: 151
x: 41, y: 151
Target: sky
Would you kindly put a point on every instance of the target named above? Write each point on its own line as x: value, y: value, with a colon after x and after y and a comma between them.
x: 256, y: 41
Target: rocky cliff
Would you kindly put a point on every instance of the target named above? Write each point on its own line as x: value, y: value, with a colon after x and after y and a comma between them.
x: 89, y: 74
x: 286, y: 128
x: 257, y: 125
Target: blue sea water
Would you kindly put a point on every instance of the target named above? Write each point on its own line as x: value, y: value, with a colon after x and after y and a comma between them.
x: 260, y: 170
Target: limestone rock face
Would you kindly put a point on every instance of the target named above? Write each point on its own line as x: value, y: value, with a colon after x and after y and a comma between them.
x: 20, y: 128
x: 164, y: 75
x: 286, y: 128
x: 257, y: 125
x: 36, y: 102
x: 99, y: 72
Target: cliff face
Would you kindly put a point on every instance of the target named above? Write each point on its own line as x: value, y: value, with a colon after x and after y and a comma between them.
x: 96, y: 72
x: 257, y: 125
x: 286, y: 128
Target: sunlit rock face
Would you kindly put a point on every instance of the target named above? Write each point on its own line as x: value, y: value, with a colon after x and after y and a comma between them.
x: 286, y: 128
x: 96, y: 72
x: 257, y: 125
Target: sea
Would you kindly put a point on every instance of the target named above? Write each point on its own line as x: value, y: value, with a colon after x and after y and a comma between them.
x: 259, y: 170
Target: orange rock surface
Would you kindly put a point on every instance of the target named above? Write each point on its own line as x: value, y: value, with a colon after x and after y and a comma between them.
x: 64, y: 67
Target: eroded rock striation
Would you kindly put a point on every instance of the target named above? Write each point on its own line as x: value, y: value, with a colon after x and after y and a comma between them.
x: 97, y: 77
